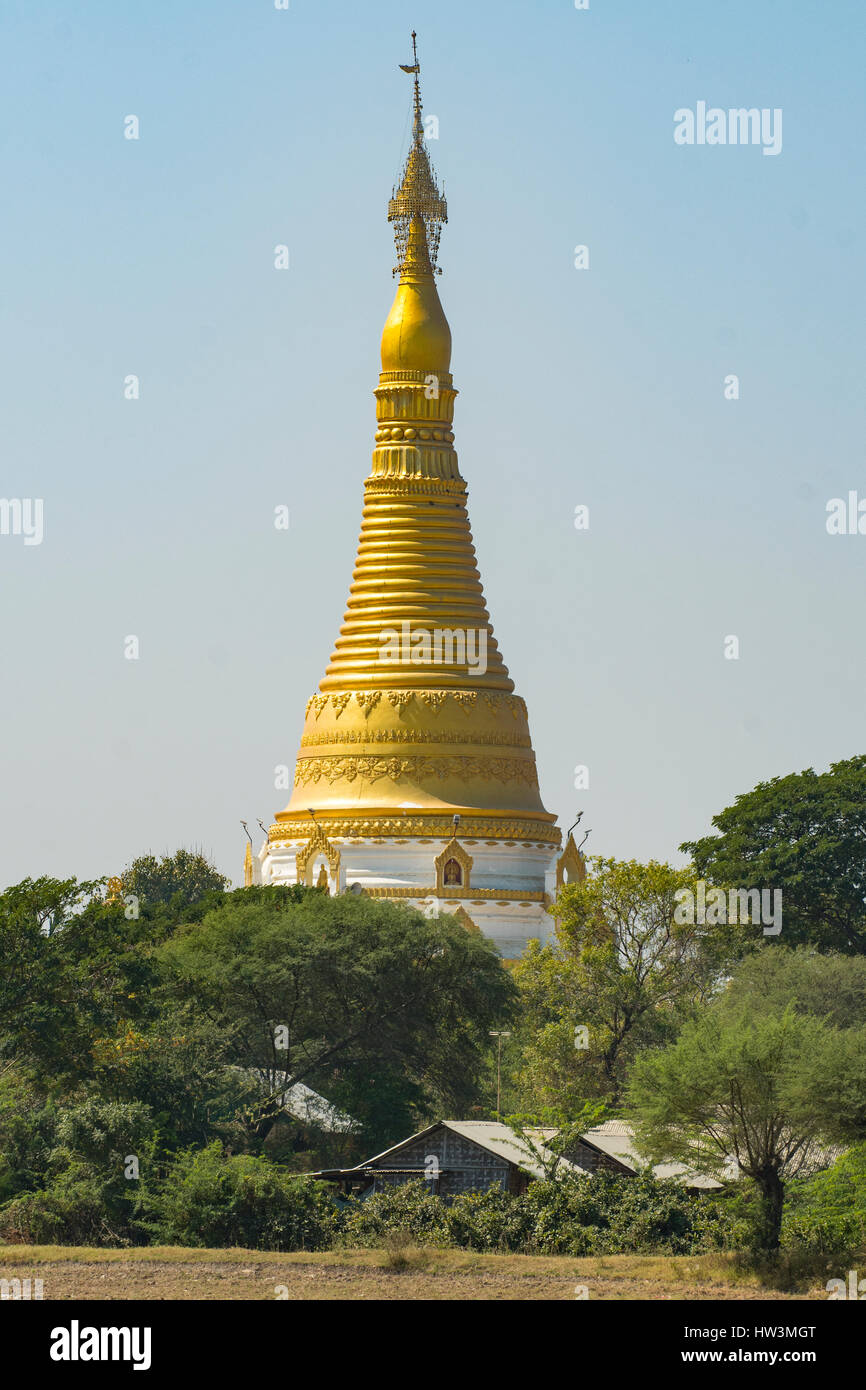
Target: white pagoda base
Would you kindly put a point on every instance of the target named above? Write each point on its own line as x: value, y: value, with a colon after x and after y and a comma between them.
x: 504, y: 888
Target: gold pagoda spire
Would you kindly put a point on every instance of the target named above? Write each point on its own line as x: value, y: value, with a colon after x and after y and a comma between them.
x: 417, y: 195
x: 401, y: 727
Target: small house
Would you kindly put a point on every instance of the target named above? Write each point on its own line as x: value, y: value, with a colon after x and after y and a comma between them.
x: 457, y: 1156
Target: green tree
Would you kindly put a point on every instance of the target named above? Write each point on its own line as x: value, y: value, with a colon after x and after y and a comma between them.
x: 763, y: 1088
x: 64, y: 953
x: 208, y: 1198
x: 79, y: 975
x: 549, y: 1137
x: 806, y: 835
x: 829, y: 986
x: 27, y: 1128
x: 620, y: 974
x: 176, y: 880
x: 381, y: 1011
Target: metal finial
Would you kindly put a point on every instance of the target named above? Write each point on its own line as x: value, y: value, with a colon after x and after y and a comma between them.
x: 417, y: 194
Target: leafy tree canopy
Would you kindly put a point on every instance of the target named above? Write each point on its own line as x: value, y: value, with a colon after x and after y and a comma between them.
x: 622, y: 973
x: 180, y: 879
x: 806, y: 835
x: 755, y: 1082
x: 831, y: 987
x: 384, y: 1013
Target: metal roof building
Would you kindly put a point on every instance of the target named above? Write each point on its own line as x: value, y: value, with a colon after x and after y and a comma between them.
x: 457, y: 1156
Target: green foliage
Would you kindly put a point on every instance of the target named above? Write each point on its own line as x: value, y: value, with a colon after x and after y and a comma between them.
x: 803, y: 834
x: 386, y: 1013
x: 608, y: 1214
x: 756, y: 1084
x: 75, y: 970
x: 493, y: 1221
x: 619, y: 966
x: 583, y: 1215
x: 175, y: 1009
x: 87, y: 1197
x: 547, y: 1150
x: 831, y: 986
x: 827, y: 1212
x: 71, y: 1211
x: 42, y: 1013
x: 27, y: 1129
x: 209, y: 1199
x: 175, y: 881
x: 408, y: 1207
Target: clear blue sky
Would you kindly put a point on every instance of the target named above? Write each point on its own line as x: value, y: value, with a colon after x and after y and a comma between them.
x: 603, y: 387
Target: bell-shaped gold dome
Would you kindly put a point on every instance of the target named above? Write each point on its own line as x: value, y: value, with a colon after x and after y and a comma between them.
x: 416, y: 336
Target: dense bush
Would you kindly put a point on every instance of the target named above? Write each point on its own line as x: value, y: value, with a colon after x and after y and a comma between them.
x: 492, y: 1220
x: 602, y: 1214
x: 827, y: 1213
x: 85, y: 1195
x: 409, y: 1208
x: 209, y: 1199
x: 72, y: 1211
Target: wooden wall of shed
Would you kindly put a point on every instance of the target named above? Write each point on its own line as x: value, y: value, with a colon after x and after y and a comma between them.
x: 590, y: 1160
x: 465, y: 1166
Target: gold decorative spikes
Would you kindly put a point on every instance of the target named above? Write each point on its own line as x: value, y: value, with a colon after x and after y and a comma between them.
x: 434, y: 699
x: 466, y: 921
x: 570, y: 866
x: 304, y: 858
x: 368, y: 699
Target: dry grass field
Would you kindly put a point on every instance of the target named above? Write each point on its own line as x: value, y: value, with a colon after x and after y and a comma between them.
x: 400, y: 1273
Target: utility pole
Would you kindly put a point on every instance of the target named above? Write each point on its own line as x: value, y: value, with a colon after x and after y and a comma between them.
x: 499, y: 1034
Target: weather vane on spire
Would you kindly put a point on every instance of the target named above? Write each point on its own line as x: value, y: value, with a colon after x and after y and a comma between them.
x: 417, y: 128
x: 416, y: 67
x: 418, y: 193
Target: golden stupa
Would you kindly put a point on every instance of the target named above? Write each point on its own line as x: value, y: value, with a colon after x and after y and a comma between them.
x: 416, y: 777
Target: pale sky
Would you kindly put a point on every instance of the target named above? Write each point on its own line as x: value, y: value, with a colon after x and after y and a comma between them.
x: 602, y: 386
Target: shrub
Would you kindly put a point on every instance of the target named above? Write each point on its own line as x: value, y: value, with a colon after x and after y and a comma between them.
x: 76, y: 1209
x: 826, y: 1213
x: 86, y: 1198
x: 584, y: 1215
x: 492, y: 1220
x: 209, y: 1199
x: 410, y: 1209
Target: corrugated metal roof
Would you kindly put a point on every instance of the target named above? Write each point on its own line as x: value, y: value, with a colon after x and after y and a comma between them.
x: 305, y: 1104
x: 496, y: 1138
x: 616, y: 1137
x: 613, y: 1127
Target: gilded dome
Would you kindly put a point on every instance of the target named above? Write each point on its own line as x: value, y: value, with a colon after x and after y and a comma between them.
x: 416, y: 336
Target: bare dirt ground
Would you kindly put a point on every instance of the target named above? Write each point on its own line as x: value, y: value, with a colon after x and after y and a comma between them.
x: 408, y: 1274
